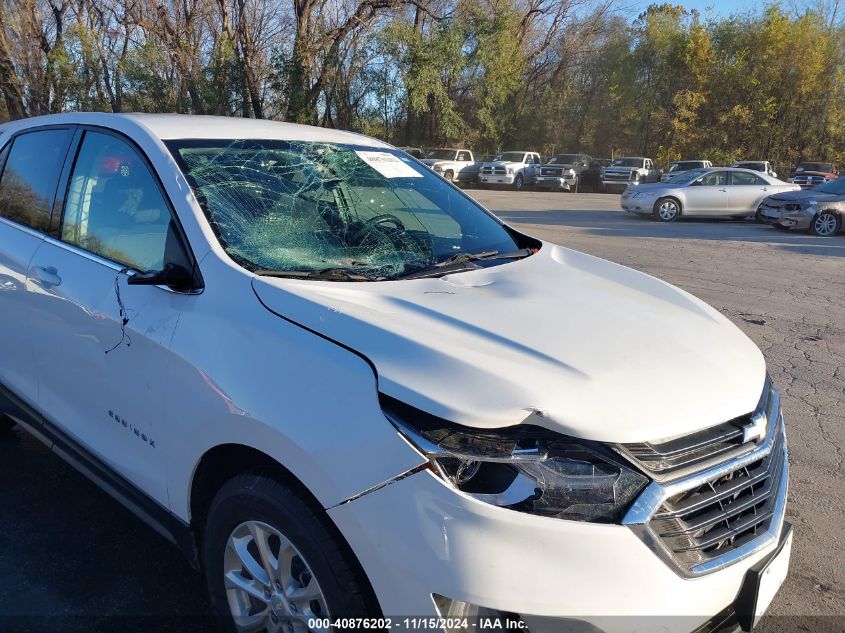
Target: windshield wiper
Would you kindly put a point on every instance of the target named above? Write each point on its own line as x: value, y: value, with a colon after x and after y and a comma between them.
x: 459, y: 261
x: 330, y: 274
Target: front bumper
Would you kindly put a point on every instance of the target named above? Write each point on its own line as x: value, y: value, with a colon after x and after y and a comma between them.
x: 643, y: 205
x: 496, y: 179
x: 618, y: 184
x: 556, y: 182
x: 790, y: 218
x: 416, y: 537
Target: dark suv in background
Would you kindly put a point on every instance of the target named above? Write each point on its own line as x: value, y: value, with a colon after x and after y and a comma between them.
x: 563, y: 172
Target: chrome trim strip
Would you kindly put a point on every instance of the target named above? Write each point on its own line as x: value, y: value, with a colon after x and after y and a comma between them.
x: 117, y: 268
x: 655, y: 494
x: 86, y: 254
x: 21, y: 227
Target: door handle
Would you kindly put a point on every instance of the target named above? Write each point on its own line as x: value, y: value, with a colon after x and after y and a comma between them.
x: 723, y: 190
x: 765, y: 188
x: 47, y: 276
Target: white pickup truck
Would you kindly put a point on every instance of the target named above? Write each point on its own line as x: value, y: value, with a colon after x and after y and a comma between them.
x: 512, y: 169
x: 629, y: 170
x: 455, y: 165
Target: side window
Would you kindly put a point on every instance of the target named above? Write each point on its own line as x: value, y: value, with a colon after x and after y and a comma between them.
x: 463, y: 156
x: 114, y: 207
x: 743, y: 178
x: 714, y: 179
x: 31, y: 175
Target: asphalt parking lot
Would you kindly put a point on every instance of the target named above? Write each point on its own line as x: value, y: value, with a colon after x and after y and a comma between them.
x: 71, y: 559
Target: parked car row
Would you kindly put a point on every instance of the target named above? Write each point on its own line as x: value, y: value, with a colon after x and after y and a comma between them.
x: 741, y: 193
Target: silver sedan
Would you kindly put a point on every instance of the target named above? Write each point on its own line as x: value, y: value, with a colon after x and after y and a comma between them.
x: 717, y: 192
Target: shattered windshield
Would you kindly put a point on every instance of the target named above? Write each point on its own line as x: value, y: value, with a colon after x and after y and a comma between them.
x: 300, y: 206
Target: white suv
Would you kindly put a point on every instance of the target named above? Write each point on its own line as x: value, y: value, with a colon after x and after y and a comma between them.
x: 356, y: 399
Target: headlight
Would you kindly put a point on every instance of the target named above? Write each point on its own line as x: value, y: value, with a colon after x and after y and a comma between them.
x: 811, y: 203
x: 523, y: 468
x: 645, y: 194
x: 510, y: 170
x: 635, y: 175
x: 437, y: 168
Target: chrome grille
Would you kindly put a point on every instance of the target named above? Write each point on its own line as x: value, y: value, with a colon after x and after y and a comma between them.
x: 680, y: 454
x: 672, y: 458
x: 715, y: 498
x: 494, y: 170
x: 610, y: 175
x: 809, y: 181
x: 721, y: 515
x: 549, y: 171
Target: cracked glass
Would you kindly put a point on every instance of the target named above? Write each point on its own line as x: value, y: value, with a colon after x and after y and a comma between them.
x: 296, y: 206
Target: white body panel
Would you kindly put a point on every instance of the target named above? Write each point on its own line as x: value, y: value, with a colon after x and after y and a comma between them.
x: 487, y: 348
x: 17, y: 247
x: 112, y: 403
x: 293, y: 369
x: 548, y: 568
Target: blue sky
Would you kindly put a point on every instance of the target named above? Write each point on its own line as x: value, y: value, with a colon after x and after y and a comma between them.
x: 718, y: 8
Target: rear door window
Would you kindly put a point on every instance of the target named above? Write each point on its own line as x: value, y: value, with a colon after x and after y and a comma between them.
x: 31, y: 175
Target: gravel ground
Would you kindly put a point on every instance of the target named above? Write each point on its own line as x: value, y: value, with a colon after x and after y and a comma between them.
x: 71, y: 559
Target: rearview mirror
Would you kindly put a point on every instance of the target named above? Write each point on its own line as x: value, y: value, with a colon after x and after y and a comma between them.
x: 171, y: 275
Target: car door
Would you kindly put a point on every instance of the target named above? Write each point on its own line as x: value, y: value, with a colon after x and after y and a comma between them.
x: 31, y: 164
x: 745, y: 192
x: 708, y: 194
x: 101, y: 345
x: 534, y: 167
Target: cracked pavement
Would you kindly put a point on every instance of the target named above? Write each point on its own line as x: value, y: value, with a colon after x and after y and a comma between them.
x: 784, y: 290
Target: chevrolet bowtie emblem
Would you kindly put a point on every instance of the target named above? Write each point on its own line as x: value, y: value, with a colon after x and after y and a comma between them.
x: 756, y: 430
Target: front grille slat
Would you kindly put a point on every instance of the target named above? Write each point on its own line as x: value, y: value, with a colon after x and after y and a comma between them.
x: 694, y: 504
x: 711, y: 520
x: 724, y: 534
x: 715, y: 516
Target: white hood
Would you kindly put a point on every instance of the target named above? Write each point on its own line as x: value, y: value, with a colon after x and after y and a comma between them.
x: 575, y: 343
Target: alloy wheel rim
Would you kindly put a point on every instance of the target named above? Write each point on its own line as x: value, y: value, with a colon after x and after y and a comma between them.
x: 269, y: 584
x: 667, y: 210
x: 825, y: 224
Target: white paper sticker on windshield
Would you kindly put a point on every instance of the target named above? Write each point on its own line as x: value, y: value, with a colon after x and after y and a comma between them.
x: 388, y: 165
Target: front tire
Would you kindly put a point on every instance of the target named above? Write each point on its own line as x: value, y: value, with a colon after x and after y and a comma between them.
x: 826, y: 224
x: 449, y: 176
x: 667, y: 210
x: 273, y: 559
x: 518, y: 182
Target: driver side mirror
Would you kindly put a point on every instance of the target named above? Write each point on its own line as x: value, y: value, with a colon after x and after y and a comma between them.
x: 172, y: 275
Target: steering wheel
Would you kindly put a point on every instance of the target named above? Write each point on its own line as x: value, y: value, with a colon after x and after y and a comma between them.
x: 377, y: 222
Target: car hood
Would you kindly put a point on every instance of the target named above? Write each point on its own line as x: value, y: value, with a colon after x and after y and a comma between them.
x: 560, y: 339
x: 802, y: 194
x: 826, y: 174
x: 502, y: 163
x: 653, y: 186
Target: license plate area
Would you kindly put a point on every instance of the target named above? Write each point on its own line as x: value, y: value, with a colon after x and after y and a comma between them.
x: 762, y: 582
